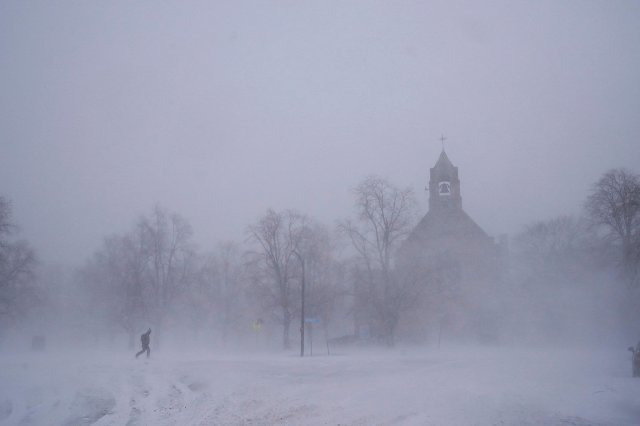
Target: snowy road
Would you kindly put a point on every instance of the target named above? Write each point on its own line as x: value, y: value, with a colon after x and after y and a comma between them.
x: 488, y: 386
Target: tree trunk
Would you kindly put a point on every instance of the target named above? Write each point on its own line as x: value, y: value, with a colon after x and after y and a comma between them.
x: 286, y: 324
x: 390, y: 325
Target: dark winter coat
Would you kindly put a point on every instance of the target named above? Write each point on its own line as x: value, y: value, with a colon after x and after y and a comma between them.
x: 145, y: 339
x: 635, y: 360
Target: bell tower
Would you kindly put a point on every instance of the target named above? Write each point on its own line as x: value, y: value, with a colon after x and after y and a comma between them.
x: 459, y: 256
x: 444, y: 186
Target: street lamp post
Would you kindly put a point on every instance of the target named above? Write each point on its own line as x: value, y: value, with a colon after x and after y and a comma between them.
x: 301, y: 259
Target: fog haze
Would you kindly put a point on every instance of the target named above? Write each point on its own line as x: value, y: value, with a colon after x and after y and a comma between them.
x: 215, y: 212
x: 219, y: 110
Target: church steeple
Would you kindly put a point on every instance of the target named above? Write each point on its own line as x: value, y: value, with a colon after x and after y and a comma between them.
x: 444, y: 186
x: 443, y: 161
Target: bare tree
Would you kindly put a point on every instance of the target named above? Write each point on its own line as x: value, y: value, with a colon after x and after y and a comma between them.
x: 614, y: 203
x: 137, y: 277
x: 557, y: 272
x: 167, y: 241
x: 216, y: 298
x: 279, y: 236
x: 384, y: 217
x: 116, y: 278
x: 17, y: 268
x: 553, y: 248
x: 324, y: 277
x: 6, y: 227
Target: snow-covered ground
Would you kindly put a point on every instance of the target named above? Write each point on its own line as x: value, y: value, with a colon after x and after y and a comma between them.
x: 463, y: 386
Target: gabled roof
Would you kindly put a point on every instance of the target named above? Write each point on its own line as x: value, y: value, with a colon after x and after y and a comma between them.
x: 452, y: 224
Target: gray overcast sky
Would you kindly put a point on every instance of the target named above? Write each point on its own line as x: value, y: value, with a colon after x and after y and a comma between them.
x: 219, y: 110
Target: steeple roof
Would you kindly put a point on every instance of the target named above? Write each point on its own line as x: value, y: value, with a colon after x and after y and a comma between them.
x: 443, y: 161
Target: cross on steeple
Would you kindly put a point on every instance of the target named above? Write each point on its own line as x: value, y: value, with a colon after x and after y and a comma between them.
x: 442, y: 139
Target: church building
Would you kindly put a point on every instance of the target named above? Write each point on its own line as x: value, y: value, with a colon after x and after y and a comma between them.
x: 460, y: 263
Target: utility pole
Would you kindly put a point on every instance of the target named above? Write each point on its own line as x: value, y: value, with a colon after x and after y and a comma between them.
x: 301, y: 259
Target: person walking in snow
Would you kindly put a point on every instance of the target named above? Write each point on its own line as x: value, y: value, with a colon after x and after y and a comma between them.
x: 635, y: 360
x: 145, y: 339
